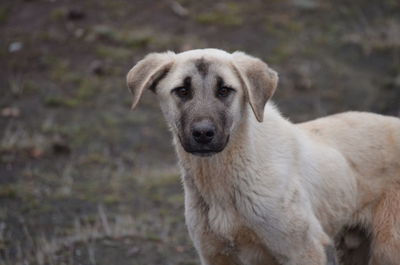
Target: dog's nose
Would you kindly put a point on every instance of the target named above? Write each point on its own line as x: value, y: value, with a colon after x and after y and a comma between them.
x: 203, y: 131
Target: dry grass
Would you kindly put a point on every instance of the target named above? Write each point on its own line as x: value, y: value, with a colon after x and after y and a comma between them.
x: 47, y: 251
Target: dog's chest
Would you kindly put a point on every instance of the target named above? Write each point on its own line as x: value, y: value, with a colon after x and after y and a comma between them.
x: 223, y: 220
x: 223, y: 212
x: 221, y: 215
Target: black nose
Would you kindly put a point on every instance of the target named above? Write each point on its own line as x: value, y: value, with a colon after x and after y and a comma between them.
x: 203, y: 131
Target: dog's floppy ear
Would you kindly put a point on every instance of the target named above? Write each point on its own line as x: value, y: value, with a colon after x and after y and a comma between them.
x: 147, y: 73
x: 259, y: 81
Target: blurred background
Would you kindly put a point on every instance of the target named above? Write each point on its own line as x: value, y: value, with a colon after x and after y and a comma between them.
x: 83, y: 180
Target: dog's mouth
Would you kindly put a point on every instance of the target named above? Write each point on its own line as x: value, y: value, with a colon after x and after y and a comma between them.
x: 204, y: 150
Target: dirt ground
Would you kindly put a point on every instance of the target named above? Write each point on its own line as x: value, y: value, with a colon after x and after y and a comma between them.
x: 83, y: 180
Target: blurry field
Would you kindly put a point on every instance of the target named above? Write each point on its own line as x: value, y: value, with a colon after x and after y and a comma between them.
x: 83, y: 180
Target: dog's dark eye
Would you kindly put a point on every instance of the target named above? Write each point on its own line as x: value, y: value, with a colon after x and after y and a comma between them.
x: 182, y: 92
x: 224, y: 91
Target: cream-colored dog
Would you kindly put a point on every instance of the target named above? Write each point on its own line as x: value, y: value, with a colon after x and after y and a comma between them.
x: 259, y: 189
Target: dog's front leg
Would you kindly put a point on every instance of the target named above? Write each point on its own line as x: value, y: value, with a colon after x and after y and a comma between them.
x: 290, y: 230
x: 211, y: 248
x: 297, y: 240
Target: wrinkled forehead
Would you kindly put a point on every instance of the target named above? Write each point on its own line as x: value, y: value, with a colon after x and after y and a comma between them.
x: 202, y: 68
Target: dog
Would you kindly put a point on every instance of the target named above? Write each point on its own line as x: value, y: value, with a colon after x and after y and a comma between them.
x: 259, y: 189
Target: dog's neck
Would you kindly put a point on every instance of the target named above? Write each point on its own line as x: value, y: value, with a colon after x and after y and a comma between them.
x: 219, y: 174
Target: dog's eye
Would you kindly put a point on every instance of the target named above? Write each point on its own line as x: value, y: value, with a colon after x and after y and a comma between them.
x: 182, y: 92
x: 224, y: 91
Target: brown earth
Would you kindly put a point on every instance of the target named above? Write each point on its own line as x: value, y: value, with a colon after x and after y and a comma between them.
x: 85, y: 181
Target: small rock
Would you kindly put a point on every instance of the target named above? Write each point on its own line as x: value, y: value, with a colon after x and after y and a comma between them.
x: 180, y: 249
x: 36, y: 152
x: 75, y: 14
x: 396, y: 81
x: 60, y: 147
x: 10, y: 112
x: 133, y: 251
x: 15, y: 47
x: 78, y: 252
x: 302, y: 79
x: 178, y: 9
x: 96, y: 67
x: 306, y: 4
x: 78, y: 33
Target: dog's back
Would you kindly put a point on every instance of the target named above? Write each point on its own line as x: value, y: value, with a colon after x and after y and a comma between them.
x: 370, y: 142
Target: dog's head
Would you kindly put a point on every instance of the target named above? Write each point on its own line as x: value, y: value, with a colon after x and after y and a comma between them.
x: 203, y: 93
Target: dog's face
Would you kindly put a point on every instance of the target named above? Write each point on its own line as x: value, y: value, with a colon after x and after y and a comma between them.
x: 203, y: 93
x: 201, y: 99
